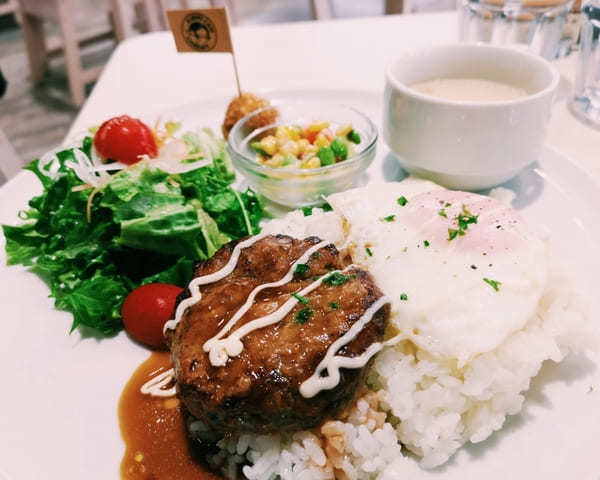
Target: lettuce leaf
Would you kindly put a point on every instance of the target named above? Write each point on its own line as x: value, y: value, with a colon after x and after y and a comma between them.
x: 145, y: 225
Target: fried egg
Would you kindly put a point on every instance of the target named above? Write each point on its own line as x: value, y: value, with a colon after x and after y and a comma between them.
x: 463, y: 271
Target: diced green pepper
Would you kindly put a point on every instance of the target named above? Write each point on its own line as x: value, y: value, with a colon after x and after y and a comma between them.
x: 354, y: 136
x: 339, y: 148
x: 326, y: 156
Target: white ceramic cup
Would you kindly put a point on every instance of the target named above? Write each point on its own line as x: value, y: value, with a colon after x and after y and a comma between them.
x: 466, y: 144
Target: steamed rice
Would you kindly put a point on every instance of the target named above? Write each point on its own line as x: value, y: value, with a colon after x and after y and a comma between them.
x: 415, y: 400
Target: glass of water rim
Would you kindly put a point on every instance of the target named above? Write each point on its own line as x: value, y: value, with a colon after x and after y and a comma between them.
x: 585, y: 103
x: 538, y: 25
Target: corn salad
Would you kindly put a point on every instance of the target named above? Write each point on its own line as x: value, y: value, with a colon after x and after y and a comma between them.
x: 311, y: 147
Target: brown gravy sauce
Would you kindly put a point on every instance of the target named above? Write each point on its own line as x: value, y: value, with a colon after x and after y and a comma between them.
x: 156, y: 445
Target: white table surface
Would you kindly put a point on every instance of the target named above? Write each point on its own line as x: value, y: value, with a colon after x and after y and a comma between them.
x: 147, y: 75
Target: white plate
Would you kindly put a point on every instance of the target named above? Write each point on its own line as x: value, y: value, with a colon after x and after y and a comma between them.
x: 59, y: 396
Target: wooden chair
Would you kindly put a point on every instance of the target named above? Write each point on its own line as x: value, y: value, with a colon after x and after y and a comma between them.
x: 34, y: 14
x: 10, y: 163
x: 9, y: 6
x: 155, y: 14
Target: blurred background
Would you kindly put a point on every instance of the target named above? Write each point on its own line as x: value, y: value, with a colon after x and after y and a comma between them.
x: 51, y: 51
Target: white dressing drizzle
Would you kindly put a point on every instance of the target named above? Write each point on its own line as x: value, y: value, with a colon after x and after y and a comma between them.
x: 196, y: 296
x: 332, y: 362
x: 156, y: 385
x: 220, y: 350
x: 223, y: 349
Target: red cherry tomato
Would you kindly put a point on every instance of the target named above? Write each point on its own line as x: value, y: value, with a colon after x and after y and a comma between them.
x: 124, y: 139
x: 146, y: 309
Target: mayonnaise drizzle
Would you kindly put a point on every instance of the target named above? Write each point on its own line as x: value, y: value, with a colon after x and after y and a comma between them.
x: 220, y: 350
x: 155, y: 386
x: 332, y: 362
x: 196, y: 296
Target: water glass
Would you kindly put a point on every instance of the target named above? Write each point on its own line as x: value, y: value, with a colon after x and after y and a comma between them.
x: 585, y: 103
x: 536, y: 24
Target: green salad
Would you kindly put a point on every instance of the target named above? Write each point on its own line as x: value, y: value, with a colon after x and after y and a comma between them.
x: 95, y: 241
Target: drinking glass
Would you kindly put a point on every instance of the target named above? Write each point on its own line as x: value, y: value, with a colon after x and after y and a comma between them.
x: 585, y: 103
x: 536, y: 24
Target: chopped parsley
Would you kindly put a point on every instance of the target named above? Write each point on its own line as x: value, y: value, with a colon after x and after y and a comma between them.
x: 307, y: 211
x: 337, y: 278
x: 442, y: 213
x: 303, y: 315
x: 301, y: 268
x: 315, y: 255
x: 389, y: 218
x: 404, y: 297
x: 334, y: 305
x: 453, y: 233
x: 464, y: 219
x: 426, y: 243
x: 300, y: 298
x: 369, y: 252
x: 402, y: 201
x: 495, y: 284
x: 448, y: 204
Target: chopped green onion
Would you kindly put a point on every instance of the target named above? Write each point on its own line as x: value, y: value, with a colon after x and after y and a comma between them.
x: 301, y: 268
x: 389, y: 218
x: 442, y: 213
x: 495, y: 284
x: 426, y: 243
x: 402, y: 201
x: 303, y: 315
x: 337, y: 278
x: 369, y: 252
x: 403, y: 297
x: 300, y: 298
x: 334, y: 305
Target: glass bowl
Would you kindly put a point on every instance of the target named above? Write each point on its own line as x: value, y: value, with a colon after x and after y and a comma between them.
x: 297, y: 187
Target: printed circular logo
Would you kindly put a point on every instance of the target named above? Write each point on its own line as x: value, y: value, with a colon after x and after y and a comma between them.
x: 199, y: 32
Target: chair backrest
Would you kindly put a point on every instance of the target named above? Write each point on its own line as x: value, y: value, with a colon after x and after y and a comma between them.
x: 10, y: 163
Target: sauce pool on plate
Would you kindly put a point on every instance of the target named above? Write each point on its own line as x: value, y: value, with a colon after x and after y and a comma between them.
x: 469, y: 90
x: 154, y: 432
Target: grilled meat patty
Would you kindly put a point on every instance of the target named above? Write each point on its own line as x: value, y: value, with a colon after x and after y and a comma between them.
x: 258, y: 390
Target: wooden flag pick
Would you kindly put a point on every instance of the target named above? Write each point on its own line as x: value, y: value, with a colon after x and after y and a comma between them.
x: 203, y: 30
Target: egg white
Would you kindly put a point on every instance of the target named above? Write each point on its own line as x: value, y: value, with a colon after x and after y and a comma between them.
x: 449, y: 309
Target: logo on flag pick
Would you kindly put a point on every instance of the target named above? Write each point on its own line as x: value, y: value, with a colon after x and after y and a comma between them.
x: 199, y: 32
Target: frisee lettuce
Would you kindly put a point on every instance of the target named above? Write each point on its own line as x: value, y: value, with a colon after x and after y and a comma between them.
x: 144, y: 225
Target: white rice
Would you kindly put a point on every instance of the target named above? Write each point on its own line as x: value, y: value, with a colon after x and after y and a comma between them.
x: 415, y: 400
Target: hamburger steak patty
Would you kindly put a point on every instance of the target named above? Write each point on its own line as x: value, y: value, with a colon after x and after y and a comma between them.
x: 258, y: 390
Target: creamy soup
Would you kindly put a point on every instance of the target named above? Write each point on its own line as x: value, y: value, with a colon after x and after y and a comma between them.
x: 469, y: 89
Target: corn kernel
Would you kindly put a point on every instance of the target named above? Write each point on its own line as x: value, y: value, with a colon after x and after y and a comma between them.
x: 290, y: 148
x: 313, y: 163
x: 303, y: 143
x: 269, y: 145
x: 275, y: 161
x: 317, y: 126
x: 139, y: 456
x: 288, y: 132
x: 343, y: 130
x: 321, y: 140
